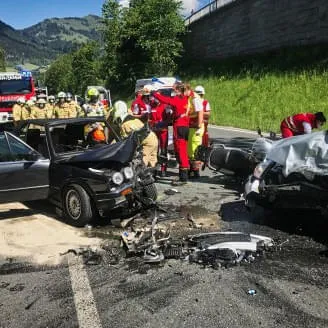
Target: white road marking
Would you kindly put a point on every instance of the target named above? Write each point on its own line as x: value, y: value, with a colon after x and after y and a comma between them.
x: 227, y: 128
x: 85, y: 305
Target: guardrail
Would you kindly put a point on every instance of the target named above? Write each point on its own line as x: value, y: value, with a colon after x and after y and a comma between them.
x: 213, y: 6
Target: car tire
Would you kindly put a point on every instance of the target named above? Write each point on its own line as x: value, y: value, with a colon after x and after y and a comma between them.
x: 150, y: 191
x: 77, y: 206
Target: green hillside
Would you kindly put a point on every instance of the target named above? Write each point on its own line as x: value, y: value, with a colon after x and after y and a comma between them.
x: 43, y: 42
x: 259, y: 91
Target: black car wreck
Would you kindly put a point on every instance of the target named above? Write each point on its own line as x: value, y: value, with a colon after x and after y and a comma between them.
x: 85, y: 177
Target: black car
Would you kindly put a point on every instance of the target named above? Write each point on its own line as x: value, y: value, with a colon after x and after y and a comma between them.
x: 83, y: 176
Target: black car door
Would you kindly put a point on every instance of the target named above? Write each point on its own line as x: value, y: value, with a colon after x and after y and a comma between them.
x: 24, y: 173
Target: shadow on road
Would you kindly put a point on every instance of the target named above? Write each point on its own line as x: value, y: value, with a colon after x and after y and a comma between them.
x: 302, y: 222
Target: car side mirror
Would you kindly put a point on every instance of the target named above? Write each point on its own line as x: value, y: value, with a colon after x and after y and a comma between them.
x: 34, y: 156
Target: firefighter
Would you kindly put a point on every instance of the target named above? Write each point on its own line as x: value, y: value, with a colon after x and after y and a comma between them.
x: 179, y: 104
x: 301, y: 124
x: 62, y: 109
x: 51, y: 105
x: 196, y: 129
x: 17, y: 110
x: 141, y: 108
x: 128, y: 124
x: 27, y: 109
x: 206, y: 113
x: 93, y: 107
x: 74, y: 108
x: 40, y: 111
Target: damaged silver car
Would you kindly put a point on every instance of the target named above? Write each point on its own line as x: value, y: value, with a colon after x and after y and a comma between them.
x: 294, y: 175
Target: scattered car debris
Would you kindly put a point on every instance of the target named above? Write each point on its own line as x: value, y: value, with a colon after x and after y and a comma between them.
x: 152, y: 241
x: 251, y: 292
x: 28, y: 306
x: 171, y: 191
x: 90, y: 256
x: 17, y: 288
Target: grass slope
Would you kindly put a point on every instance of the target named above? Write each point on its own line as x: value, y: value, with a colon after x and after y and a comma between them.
x: 260, y: 92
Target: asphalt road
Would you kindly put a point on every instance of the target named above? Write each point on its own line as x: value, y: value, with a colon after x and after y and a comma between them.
x: 291, y: 282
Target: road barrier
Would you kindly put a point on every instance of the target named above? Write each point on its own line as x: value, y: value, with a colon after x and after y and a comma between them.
x: 207, y: 10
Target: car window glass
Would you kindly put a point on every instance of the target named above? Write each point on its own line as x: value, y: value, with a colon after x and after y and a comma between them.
x: 19, y: 151
x: 77, y: 137
x: 4, y: 148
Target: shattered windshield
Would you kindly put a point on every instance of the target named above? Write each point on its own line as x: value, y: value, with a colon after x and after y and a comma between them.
x: 81, y: 136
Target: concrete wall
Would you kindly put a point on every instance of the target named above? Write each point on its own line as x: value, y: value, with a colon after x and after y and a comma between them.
x: 254, y: 26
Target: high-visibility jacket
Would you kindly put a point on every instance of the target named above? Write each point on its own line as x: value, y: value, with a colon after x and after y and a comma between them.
x: 295, y: 122
x: 194, y: 107
x: 139, y: 107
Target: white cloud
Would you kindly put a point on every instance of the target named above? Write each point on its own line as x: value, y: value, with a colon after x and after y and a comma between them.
x: 188, y: 5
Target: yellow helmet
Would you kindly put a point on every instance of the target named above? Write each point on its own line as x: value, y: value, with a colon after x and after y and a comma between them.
x: 93, y: 92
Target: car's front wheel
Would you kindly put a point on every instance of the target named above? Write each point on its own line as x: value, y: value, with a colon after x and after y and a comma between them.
x: 77, y: 206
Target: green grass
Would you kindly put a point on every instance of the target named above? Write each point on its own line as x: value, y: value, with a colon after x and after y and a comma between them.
x: 249, y: 102
x: 260, y: 91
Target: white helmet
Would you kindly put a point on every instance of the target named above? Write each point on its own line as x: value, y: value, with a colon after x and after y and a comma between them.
x: 200, y: 90
x: 120, y: 111
x: 21, y: 100
x: 147, y: 89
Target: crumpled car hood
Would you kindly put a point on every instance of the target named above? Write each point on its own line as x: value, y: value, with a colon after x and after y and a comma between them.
x: 120, y: 152
x: 306, y: 154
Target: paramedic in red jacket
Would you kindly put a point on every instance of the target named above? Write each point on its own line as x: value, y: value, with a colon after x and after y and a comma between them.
x: 179, y: 104
x: 301, y: 124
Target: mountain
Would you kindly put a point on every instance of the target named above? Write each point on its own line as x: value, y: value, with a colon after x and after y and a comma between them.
x: 43, y: 42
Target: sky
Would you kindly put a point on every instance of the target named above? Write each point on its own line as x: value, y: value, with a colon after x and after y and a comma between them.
x: 24, y: 13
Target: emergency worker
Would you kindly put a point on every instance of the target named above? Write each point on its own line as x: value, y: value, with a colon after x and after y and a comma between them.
x: 179, y: 104
x: 74, y: 108
x: 27, y: 109
x: 159, y: 121
x: 62, y: 109
x: 196, y: 129
x: 301, y: 124
x: 51, y: 105
x: 128, y: 124
x: 136, y: 101
x: 39, y: 111
x: 206, y: 113
x: 93, y: 107
x: 17, y: 110
x: 141, y: 109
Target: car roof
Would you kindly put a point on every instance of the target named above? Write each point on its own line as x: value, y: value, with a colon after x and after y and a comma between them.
x: 58, y: 121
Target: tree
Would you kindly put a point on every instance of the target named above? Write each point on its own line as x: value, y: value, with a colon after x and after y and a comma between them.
x: 141, y: 40
x: 2, y: 60
x: 86, y: 67
x: 59, y: 76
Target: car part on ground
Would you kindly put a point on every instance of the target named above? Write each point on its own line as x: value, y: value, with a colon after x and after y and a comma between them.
x: 153, y: 242
x: 294, y: 175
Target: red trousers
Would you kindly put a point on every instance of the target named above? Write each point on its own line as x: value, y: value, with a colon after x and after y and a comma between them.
x: 206, y: 138
x: 163, y: 137
x: 180, y: 140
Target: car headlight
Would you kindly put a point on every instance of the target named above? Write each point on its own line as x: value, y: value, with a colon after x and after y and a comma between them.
x: 260, y: 168
x: 117, y: 178
x: 128, y: 172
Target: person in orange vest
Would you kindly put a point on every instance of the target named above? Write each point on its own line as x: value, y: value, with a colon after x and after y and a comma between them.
x: 206, y: 114
x: 301, y: 124
x: 196, y: 130
x: 96, y: 134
